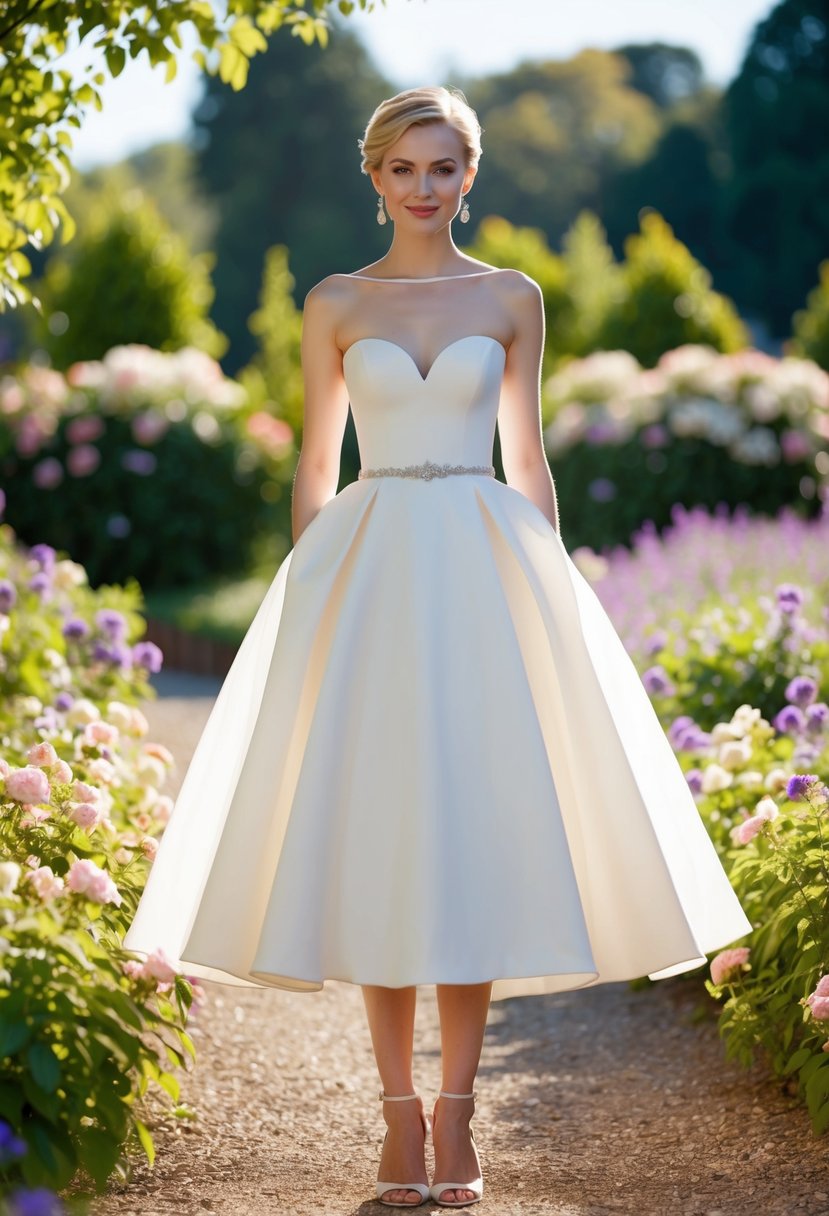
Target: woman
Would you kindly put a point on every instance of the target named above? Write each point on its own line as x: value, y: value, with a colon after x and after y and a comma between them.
x: 432, y: 760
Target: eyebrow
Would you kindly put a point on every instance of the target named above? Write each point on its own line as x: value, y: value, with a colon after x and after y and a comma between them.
x: 443, y: 160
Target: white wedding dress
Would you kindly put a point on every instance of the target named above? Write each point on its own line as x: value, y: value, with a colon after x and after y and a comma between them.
x: 432, y: 760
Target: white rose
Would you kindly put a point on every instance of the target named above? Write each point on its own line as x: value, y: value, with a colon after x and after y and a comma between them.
x: 119, y: 715
x: 735, y: 754
x: 767, y: 808
x: 9, y: 874
x: 82, y: 713
x: 723, y: 732
x: 751, y: 779
x: 67, y: 575
x: 715, y: 778
x: 776, y: 780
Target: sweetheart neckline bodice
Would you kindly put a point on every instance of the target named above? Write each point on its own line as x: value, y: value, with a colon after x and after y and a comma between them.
x: 410, y: 357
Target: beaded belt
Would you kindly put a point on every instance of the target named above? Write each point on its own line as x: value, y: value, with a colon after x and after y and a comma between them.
x: 429, y: 470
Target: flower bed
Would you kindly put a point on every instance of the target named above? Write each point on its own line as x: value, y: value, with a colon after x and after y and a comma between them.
x: 85, y: 1027
x: 144, y: 465
x: 701, y: 428
x: 734, y: 653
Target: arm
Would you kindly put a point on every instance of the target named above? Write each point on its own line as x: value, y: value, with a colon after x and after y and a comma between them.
x: 519, y: 414
x: 325, y: 409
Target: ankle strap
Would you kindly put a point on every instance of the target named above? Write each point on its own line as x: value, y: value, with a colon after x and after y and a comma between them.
x: 444, y: 1094
x: 384, y: 1097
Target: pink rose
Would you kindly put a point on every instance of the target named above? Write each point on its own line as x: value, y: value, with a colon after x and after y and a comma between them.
x: 46, y: 883
x: 727, y: 962
x: 85, y: 815
x: 85, y: 793
x: 160, y: 966
x: 102, y: 770
x: 149, y: 847
x: 819, y: 1006
x: 83, y: 460
x: 822, y: 988
x: 28, y: 785
x: 43, y: 755
x: 100, y: 732
x: 748, y: 829
x: 62, y: 773
x: 85, y: 878
x: 160, y: 752
x: 163, y: 808
x: 133, y: 969
x: 4, y: 768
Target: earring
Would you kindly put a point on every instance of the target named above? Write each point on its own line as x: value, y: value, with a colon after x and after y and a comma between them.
x: 381, y: 215
x: 464, y: 215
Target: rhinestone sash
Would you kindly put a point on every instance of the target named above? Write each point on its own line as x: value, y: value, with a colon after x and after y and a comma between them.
x: 428, y: 470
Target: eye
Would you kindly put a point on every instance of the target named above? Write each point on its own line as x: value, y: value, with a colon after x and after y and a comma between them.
x: 400, y: 169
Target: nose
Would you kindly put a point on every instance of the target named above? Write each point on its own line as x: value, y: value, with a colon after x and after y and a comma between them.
x: 422, y: 186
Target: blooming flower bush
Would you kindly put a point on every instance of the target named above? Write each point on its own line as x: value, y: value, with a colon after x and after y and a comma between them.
x: 162, y: 445
x: 85, y: 1027
x: 735, y: 656
x: 701, y: 428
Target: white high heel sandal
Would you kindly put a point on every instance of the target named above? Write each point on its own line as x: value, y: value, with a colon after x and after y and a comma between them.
x: 476, y: 1185
x: 422, y: 1188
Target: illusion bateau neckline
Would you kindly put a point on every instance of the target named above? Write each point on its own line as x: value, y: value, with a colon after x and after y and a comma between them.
x: 436, y: 278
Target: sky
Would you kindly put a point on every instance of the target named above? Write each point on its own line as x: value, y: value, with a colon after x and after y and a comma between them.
x: 426, y: 41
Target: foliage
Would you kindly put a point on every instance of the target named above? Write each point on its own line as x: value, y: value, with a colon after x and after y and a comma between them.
x: 627, y: 444
x: 144, y: 447
x: 84, y: 1028
x: 735, y: 672
x: 776, y: 196
x: 38, y: 103
x: 126, y: 278
x: 268, y: 157
x: 666, y: 299
x: 273, y: 378
x: 656, y: 590
x: 811, y: 325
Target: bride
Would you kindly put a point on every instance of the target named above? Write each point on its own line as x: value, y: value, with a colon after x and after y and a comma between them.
x: 446, y: 759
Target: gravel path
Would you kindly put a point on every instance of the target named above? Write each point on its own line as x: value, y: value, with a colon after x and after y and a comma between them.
x: 607, y: 1100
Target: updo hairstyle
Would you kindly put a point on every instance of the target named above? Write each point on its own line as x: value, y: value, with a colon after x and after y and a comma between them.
x: 432, y: 103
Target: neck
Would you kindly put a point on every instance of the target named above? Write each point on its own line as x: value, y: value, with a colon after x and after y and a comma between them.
x: 429, y: 255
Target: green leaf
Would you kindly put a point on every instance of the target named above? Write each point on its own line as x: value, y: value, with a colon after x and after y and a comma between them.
x: 44, y: 1066
x: 13, y: 1036
x: 146, y: 1140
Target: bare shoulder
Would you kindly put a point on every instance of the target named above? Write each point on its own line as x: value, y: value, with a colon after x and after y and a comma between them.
x: 330, y: 292
x: 517, y: 287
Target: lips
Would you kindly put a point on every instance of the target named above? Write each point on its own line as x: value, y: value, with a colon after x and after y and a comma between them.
x: 422, y: 210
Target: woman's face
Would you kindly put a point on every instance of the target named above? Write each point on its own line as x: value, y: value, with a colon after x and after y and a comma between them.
x: 423, y: 176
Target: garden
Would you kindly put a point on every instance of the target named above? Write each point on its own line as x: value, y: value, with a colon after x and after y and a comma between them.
x: 145, y: 480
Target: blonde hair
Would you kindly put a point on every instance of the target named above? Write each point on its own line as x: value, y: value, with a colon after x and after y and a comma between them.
x: 432, y: 103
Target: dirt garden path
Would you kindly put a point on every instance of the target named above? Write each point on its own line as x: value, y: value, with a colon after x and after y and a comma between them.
x: 606, y: 1100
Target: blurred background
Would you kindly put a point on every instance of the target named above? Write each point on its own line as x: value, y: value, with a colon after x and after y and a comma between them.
x: 662, y: 171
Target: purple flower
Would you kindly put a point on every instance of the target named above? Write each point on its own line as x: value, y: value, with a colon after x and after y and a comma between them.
x: 64, y: 701
x: 817, y: 716
x: 112, y: 623
x: 118, y: 526
x: 36, y: 1202
x: 138, y: 461
x: 678, y: 726
x: 44, y: 555
x: 655, y: 642
x: 47, y: 473
x: 148, y: 655
x: 76, y: 628
x: 601, y: 489
x: 692, y: 739
x: 790, y: 720
x: 799, y: 786
x: 8, y: 595
x: 657, y: 683
x: 789, y: 597
x: 694, y: 779
x: 40, y: 583
x: 11, y: 1146
x: 801, y: 691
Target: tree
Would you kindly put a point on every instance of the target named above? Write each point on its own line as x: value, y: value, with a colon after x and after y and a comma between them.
x: 281, y: 164
x: 811, y: 324
x: 128, y: 277
x: 38, y: 102
x: 556, y: 135
x: 667, y: 74
x: 274, y: 374
x: 777, y: 119
x: 666, y: 299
